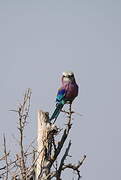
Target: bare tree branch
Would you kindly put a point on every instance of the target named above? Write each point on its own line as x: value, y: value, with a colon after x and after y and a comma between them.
x: 23, y: 111
x: 6, y: 157
x: 75, y: 167
x: 63, y: 139
x: 3, y: 158
x: 62, y: 161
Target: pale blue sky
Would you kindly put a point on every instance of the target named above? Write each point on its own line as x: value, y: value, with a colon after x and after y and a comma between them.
x: 41, y: 39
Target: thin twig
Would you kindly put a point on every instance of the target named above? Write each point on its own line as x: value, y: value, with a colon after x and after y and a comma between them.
x: 6, y: 157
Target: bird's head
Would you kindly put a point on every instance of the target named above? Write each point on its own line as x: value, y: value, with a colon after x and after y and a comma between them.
x: 68, y: 77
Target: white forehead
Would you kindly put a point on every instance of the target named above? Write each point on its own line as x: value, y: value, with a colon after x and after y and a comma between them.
x: 68, y: 73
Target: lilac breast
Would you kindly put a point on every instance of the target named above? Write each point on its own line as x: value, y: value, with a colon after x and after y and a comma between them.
x: 71, y: 91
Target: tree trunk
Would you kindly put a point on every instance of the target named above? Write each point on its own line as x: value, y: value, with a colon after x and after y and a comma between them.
x: 46, y: 131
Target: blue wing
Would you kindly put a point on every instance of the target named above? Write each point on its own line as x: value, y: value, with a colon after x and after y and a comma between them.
x: 60, y: 95
x: 60, y: 103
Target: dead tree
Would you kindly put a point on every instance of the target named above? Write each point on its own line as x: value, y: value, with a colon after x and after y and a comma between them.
x: 49, y: 149
x: 46, y: 161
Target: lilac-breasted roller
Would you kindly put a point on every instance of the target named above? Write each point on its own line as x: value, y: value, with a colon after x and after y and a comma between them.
x: 66, y: 94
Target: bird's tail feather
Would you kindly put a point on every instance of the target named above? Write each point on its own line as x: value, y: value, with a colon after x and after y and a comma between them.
x: 57, y: 111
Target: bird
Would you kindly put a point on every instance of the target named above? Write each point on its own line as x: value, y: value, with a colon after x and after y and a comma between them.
x: 66, y: 93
